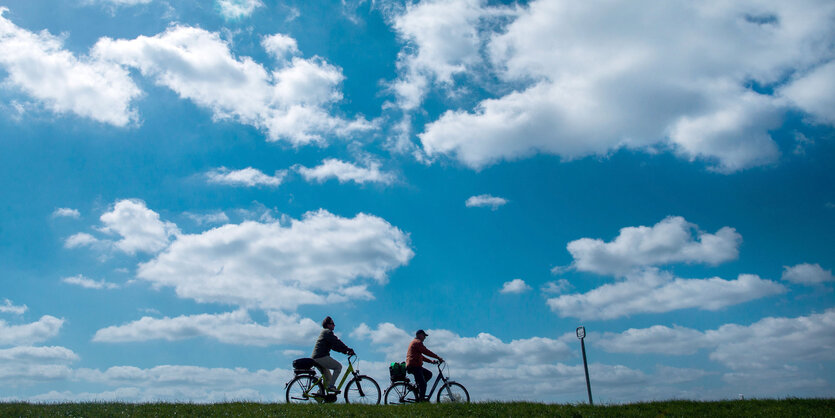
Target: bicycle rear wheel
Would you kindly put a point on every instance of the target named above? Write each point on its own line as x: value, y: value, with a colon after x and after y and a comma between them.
x: 300, y: 389
x: 362, y: 390
x: 452, y: 392
x: 399, y: 393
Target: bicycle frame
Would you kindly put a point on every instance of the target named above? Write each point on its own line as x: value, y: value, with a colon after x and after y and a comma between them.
x: 440, y: 377
x: 349, y: 371
x: 437, y: 380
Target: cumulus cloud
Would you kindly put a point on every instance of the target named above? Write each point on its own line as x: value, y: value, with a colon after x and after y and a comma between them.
x: 345, y: 172
x: 248, y: 177
x: 514, y: 286
x: 235, y: 9
x: 807, y: 274
x: 35, y: 364
x: 289, y: 102
x: 81, y: 239
x: 170, y: 383
x: 523, y: 369
x: 88, y: 283
x: 591, y: 78
x: 321, y: 258
x: 482, y: 350
x: 9, y: 307
x: 38, y: 65
x: 31, y: 333
x: 280, y: 46
x: 657, y: 339
x: 121, y: 2
x: 557, y: 287
x: 231, y: 328
x: 784, y: 350
x: 653, y: 291
x: 177, y: 375
x: 444, y: 40
x: 218, y: 217
x: 140, y: 228
x: 669, y: 241
x: 485, y: 200
x: 66, y: 213
x: 814, y: 92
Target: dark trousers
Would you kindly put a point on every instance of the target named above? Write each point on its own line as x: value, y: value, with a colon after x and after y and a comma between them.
x: 421, y: 377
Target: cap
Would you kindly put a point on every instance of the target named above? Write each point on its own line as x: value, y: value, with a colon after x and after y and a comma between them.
x: 420, y: 331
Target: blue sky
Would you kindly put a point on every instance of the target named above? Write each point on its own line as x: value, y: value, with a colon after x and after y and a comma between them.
x: 189, y: 187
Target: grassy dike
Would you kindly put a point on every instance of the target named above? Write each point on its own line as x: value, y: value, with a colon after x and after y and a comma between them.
x: 745, y: 408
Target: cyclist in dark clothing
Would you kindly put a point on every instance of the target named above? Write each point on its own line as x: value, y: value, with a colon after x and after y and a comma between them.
x: 326, y: 342
x: 414, y: 362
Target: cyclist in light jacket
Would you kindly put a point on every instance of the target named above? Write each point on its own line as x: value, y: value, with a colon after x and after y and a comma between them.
x: 414, y: 362
x: 322, y: 353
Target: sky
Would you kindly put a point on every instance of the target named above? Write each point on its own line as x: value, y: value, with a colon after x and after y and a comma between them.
x: 187, y: 188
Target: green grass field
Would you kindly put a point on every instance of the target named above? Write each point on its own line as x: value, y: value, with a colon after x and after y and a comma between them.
x: 746, y: 408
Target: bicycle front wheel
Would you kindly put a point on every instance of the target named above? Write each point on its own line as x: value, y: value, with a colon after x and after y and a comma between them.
x: 302, y: 388
x: 399, y: 394
x: 362, y: 390
x: 452, y: 392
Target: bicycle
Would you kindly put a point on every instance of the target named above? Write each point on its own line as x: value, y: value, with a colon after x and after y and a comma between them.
x: 404, y: 392
x: 305, y: 387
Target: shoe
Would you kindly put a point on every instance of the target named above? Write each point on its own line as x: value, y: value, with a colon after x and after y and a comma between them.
x: 333, y: 388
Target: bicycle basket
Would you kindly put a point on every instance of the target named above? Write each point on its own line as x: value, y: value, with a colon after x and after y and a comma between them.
x: 397, y: 371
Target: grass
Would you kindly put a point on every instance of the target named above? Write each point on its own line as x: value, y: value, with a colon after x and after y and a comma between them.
x: 744, y: 408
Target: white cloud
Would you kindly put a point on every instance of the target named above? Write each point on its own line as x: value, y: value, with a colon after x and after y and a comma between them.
x: 230, y: 328
x: 669, y: 241
x: 514, y: 286
x: 734, y: 134
x: 807, y: 274
x: 235, y: 9
x: 218, y: 217
x: 322, y: 258
x: 815, y: 93
x: 471, y: 352
x: 524, y: 369
x: 171, y: 383
x: 345, y: 172
x: 88, y: 283
x: 604, y: 76
x: 33, y: 364
x: 9, y: 307
x: 280, y: 46
x: 248, y: 177
x: 122, y: 2
x: 484, y: 200
x: 81, y: 239
x: 557, y: 287
x: 652, y: 291
x: 444, y: 39
x: 31, y: 333
x: 658, y: 339
x: 176, y: 375
x: 66, y: 213
x: 140, y: 228
x: 38, y: 65
x: 288, y: 103
x: 769, y: 357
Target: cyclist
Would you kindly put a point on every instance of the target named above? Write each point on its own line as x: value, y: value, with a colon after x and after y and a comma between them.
x: 414, y: 362
x: 322, y: 353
